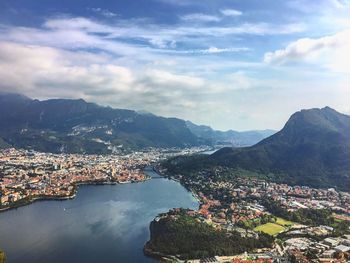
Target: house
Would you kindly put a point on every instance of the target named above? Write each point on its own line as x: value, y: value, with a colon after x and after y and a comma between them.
x: 331, y: 241
x: 342, y: 248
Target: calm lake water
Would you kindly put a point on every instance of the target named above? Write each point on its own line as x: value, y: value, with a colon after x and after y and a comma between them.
x: 210, y: 152
x: 105, y: 223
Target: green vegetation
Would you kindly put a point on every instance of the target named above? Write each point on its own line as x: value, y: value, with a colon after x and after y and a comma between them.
x: 275, y: 226
x: 337, y: 220
x: 270, y: 229
x: 253, y: 223
x: 283, y: 222
x: 341, y: 227
x: 76, y: 126
x: 304, y: 216
x: 189, y: 238
x: 312, y: 149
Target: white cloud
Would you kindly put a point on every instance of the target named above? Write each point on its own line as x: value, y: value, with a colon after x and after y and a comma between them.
x: 331, y: 51
x: 104, y: 12
x: 322, y: 6
x: 215, y: 50
x: 82, y: 33
x: 231, y: 12
x: 131, y: 30
x: 200, y: 17
x: 137, y: 65
x: 70, y: 23
x: 242, y: 29
x: 73, y: 33
x: 164, y: 78
x: 240, y: 80
x: 162, y: 43
x: 209, y: 51
x: 340, y: 3
x: 44, y: 71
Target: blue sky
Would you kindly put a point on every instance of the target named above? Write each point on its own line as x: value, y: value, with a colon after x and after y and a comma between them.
x: 229, y: 64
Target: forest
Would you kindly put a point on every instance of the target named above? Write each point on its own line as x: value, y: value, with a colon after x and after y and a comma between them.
x: 189, y: 238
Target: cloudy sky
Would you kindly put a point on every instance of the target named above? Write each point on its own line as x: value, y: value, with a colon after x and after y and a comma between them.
x: 225, y: 63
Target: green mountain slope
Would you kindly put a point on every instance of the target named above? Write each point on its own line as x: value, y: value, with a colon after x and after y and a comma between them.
x: 63, y: 125
x: 312, y: 149
x: 76, y: 126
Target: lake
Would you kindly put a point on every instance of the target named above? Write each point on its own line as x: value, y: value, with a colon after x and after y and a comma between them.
x: 210, y: 151
x: 104, y: 223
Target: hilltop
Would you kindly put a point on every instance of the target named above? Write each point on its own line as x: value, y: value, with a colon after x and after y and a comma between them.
x: 313, y: 148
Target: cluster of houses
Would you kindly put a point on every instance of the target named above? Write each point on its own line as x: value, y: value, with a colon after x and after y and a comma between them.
x: 26, y: 175
x: 229, y: 204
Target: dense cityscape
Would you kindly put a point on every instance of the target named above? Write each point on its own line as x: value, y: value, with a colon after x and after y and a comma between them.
x: 28, y: 175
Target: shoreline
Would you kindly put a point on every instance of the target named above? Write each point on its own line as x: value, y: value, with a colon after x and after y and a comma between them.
x: 195, y: 196
x: 146, y: 250
x: 31, y: 199
x: 158, y: 255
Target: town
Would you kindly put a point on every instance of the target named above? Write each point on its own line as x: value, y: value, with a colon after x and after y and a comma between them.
x: 308, y: 224
x: 26, y: 176
x: 248, y: 206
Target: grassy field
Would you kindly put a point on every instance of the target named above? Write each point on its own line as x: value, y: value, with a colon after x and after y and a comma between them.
x: 274, y: 228
x: 270, y: 228
x: 338, y: 220
x: 283, y: 222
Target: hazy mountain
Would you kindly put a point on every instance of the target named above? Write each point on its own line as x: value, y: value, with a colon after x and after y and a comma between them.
x: 230, y: 137
x: 62, y: 125
x: 313, y: 149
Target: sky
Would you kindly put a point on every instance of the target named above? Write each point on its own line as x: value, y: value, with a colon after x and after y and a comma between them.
x: 230, y: 64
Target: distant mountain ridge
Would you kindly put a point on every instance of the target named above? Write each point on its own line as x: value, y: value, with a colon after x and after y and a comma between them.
x: 312, y: 149
x: 76, y: 126
x: 230, y: 137
x: 62, y: 125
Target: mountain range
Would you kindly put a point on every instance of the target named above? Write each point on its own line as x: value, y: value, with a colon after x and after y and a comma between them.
x: 230, y: 137
x: 76, y: 126
x: 313, y: 148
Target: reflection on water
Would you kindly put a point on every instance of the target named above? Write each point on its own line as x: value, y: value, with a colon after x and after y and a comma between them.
x: 210, y: 152
x: 106, y: 223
